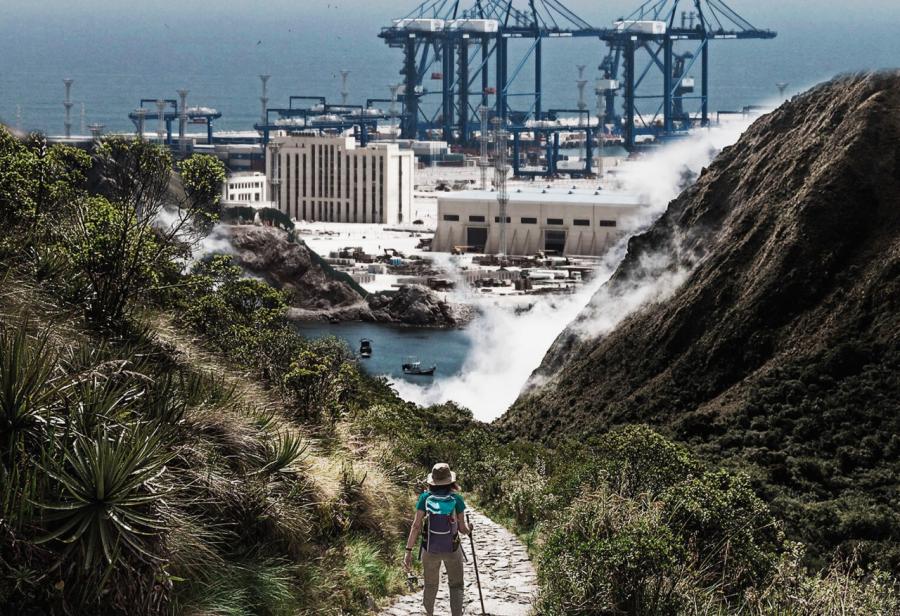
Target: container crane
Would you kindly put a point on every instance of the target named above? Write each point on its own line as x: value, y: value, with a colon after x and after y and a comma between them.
x: 656, y: 27
x: 457, y: 46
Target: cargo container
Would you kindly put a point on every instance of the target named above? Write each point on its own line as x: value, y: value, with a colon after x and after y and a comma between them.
x: 641, y: 27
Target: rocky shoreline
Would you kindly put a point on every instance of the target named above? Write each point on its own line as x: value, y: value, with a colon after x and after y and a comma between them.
x: 315, y: 294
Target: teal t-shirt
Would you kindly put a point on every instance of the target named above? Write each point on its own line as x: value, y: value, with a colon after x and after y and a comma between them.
x: 460, y: 503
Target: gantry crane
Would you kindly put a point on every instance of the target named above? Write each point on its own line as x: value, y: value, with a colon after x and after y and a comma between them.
x: 657, y: 27
x: 460, y: 47
x: 457, y: 46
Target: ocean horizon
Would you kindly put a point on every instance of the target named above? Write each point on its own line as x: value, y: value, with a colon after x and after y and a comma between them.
x: 217, y: 51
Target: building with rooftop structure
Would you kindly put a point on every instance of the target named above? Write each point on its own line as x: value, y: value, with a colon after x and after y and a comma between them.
x: 557, y: 221
x: 330, y: 178
x: 246, y: 188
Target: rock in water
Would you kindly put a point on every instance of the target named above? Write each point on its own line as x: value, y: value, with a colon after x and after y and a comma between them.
x: 781, y: 347
x: 412, y: 305
x: 315, y: 293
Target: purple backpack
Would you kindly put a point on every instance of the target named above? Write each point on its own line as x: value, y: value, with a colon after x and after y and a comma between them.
x: 442, y: 525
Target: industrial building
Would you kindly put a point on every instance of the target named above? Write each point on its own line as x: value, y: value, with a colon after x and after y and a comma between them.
x: 563, y: 222
x: 245, y: 188
x: 328, y: 178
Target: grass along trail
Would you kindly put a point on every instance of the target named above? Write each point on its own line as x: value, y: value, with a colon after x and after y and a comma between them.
x: 508, y: 579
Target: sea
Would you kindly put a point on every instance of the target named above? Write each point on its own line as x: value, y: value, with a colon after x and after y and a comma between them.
x: 120, y: 52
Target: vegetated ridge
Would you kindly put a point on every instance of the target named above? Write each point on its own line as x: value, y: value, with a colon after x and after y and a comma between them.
x: 781, y: 350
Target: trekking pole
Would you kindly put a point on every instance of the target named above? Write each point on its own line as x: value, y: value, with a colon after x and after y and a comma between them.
x: 475, y: 562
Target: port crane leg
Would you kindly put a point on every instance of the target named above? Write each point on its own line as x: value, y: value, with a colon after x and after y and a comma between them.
x: 538, y: 69
x: 410, y: 99
x: 704, y: 85
x: 463, y: 91
x: 629, y: 95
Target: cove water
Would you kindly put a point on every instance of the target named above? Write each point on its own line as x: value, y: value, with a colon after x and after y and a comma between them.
x: 391, y: 345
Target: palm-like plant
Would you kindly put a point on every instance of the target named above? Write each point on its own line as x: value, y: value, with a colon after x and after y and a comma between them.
x: 283, y: 451
x: 108, y: 496
x: 26, y: 385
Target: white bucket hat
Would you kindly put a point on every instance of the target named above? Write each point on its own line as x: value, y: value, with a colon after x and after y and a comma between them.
x: 441, y: 475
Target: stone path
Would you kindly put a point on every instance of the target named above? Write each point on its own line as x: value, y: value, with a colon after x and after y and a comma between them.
x: 508, y: 580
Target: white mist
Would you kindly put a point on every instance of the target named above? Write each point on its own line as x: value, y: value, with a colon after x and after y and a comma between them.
x: 507, y: 347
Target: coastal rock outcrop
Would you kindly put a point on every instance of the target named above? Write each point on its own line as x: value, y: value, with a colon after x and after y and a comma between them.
x: 316, y: 293
x: 411, y: 305
x: 267, y: 252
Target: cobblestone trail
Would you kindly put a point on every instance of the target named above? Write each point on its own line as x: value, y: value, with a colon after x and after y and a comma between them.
x: 508, y: 580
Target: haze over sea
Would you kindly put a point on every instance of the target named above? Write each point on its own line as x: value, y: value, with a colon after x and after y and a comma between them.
x: 119, y: 52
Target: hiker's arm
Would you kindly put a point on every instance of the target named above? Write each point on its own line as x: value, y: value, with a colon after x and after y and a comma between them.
x: 461, y: 523
x: 413, y: 535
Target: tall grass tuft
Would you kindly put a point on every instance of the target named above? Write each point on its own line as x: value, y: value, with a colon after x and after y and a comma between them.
x: 27, y: 389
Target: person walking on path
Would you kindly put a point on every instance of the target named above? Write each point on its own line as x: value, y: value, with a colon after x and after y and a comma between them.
x: 440, y: 509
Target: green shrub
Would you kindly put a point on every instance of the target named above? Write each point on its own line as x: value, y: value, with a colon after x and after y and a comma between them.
x: 106, y: 511
x: 731, y: 534
x: 610, y: 554
x: 842, y: 589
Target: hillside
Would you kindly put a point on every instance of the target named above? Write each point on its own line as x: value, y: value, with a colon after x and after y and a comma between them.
x: 781, y: 349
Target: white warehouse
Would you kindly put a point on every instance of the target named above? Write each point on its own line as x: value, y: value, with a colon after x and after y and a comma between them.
x: 328, y: 178
x: 566, y: 222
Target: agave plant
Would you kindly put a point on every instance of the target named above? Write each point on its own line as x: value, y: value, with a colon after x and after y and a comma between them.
x: 108, y: 496
x: 282, y: 452
x: 26, y: 385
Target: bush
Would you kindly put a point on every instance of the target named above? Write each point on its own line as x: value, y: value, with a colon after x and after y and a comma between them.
x: 733, y: 538
x: 610, y: 554
x: 842, y: 589
x: 321, y: 379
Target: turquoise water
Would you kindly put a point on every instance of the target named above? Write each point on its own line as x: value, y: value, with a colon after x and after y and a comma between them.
x: 445, y: 348
x: 119, y: 52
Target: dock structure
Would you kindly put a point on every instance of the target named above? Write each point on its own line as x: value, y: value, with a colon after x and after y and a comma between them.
x: 458, y: 47
x: 166, y: 111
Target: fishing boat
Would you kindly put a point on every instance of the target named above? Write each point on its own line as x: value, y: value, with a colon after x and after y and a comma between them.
x: 365, y: 348
x: 413, y: 367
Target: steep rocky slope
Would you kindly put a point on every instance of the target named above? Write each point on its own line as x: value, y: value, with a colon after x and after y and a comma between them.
x: 781, y: 348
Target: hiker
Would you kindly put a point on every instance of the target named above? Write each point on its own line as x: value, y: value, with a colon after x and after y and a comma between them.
x: 440, y: 508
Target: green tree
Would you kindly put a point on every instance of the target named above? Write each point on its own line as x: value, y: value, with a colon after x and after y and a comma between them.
x: 37, y: 183
x: 116, y: 255
x: 202, y: 176
x: 321, y: 379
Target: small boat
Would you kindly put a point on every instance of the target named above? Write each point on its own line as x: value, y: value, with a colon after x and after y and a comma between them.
x: 413, y: 367
x: 365, y: 348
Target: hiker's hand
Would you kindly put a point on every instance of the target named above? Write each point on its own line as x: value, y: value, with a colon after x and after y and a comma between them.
x: 407, y: 561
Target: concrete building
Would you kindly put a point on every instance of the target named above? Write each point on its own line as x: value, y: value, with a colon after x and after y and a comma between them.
x: 567, y: 222
x: 333, y: 179
x: 245, y: 188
